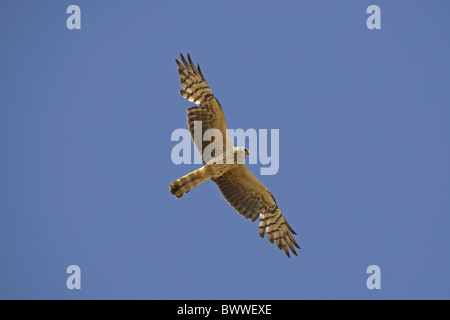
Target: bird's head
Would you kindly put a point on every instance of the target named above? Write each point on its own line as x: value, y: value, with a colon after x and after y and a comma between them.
x: 240, y: 153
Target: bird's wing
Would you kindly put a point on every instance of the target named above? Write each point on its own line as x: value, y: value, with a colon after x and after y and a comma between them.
x: 245, y: 193
x: 209, y: 111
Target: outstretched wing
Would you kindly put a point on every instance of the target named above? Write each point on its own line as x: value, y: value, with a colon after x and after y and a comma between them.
x: 209, y: 111
x: 252, y: 199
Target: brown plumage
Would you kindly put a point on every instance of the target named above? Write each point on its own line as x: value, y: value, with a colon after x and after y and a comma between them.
x: 243, y: 191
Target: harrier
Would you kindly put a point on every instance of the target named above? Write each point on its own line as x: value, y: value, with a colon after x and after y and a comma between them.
x: 243, y: 191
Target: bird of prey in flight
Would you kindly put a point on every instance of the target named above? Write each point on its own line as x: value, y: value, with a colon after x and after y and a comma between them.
x: 225, y: 166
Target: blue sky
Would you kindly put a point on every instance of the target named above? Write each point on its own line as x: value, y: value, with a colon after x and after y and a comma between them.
x: 86, y: 118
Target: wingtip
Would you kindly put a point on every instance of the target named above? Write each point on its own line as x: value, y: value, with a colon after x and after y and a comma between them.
x: 290, y: 228
x: 296, y: 244
x: 191, y: 63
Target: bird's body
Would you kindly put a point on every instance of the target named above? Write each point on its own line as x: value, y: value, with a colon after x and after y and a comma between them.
x: 224, y: 165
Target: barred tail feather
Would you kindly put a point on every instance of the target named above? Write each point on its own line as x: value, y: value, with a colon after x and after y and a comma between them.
x: 188, y: 182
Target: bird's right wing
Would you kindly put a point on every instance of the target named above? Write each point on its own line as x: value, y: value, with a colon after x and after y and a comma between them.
x: 209, y: 111
x: 251, y: 199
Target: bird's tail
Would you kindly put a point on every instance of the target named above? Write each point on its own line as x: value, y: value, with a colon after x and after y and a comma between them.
x: 188, y: 182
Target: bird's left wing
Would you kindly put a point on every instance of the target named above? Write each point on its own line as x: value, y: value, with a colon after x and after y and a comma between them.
x: 208, y: 112
x: 251, y: 199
